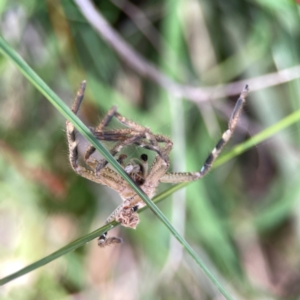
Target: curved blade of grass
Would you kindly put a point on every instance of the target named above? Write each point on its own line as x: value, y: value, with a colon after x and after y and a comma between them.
x: 75, y: 244
x: 64, y: 250
x: 7, y: 51
x: 258, y: 138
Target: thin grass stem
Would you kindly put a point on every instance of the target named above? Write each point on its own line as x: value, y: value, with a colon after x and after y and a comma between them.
x: 25, y: 69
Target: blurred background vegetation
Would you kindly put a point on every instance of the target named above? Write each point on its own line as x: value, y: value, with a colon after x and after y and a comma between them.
x: 243, y: 219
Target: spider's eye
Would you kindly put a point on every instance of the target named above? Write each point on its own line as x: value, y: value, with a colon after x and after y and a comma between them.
x: 144, y: 157
x: 135, y: 208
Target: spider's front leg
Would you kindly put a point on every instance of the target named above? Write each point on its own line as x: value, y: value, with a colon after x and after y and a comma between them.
x: 112, y: 179
x: 135, y: 134
x: 105, y: 176
x: 70, y: 129
x: 191, y: 176
x: 93, y: 163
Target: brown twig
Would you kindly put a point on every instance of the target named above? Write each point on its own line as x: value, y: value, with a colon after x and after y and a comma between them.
x: 146, y: 69
x: 141, y: 22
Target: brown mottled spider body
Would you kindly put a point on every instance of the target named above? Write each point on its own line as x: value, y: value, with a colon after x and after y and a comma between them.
x: 147, y: 178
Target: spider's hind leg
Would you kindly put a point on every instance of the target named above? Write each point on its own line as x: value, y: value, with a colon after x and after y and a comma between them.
x: 227, y: 134
x: 190, y: 176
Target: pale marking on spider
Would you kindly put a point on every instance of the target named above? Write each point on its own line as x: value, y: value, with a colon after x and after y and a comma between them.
x: 147, y: 178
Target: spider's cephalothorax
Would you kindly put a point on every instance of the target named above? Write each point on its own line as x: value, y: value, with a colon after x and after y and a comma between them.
x: 145, y: 176
x: 138, y: 171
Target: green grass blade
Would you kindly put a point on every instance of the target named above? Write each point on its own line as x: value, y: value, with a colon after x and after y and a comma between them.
x: 7, y: 51
x: 76, y: 244
x: 51, y: 96
x: 258, y: 138
x: 66, y: 249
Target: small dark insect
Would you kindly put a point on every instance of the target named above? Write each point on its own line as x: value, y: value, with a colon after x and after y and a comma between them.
x: 147, y: 178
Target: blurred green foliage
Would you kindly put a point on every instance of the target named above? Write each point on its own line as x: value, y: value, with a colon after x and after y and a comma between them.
x: 243, y: 218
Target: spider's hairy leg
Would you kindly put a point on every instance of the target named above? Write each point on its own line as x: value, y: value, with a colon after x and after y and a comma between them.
x: 106, y: 176
x: 123, y: 136
x: 79, y: 97
x: 147, y: 140
x: 91, y: 149
x: 143, y: 138
x: 152, y: 144
x: 161, y: 162
x: 190, y: 176
x: 227, y: 134
x: 129, y: 123
x: 134, y: 134
x: 71, y: 134
x: 168, y: 145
